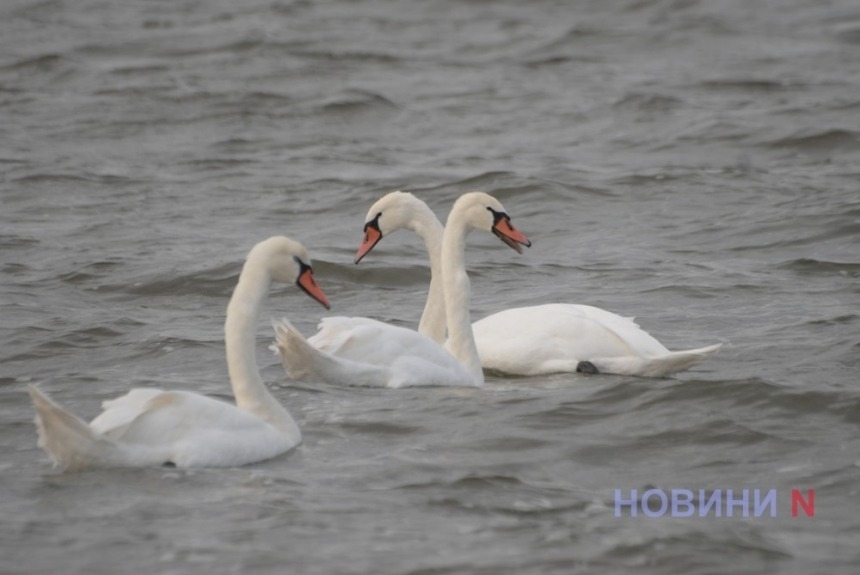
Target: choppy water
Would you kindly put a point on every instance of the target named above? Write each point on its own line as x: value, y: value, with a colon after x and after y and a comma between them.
x: 692, y: 163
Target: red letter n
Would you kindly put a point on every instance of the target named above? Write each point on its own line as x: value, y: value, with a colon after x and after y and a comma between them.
x: 808, y: 504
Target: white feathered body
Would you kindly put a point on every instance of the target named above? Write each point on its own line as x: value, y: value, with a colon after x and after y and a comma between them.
x: 150, y: 427
x: 366, y: 352
x: 557, y: 337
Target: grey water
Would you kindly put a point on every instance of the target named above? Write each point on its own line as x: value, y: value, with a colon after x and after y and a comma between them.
x: 693, y: 164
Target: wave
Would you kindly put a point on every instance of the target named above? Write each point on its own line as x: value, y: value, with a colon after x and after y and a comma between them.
x: 645, y: 102
x: 41, y: 64
x: 217, y: 281
x: 816, y: 267
x: 819, y: 140
x: 691, y: 550
x: 753, y: 85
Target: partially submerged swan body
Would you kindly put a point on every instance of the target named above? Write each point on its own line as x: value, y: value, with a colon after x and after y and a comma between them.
x: 362, y: 351
x: 558, y: 337
x: 150, y: 427
x: 543, y: 339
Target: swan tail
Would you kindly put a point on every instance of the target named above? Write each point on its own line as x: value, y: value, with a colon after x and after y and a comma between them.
x: 659, y: 366
x: 293, y: 349
x: 677, y: 361
x: 302, y: 360
x: 66, y: 438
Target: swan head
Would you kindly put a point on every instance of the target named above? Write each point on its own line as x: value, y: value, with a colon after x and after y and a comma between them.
x: 392, y: 212
x: 287, y: 262
x: 482, y: 211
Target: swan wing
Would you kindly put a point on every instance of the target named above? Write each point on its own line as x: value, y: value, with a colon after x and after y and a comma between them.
x: 376, y: 342
x: 606, y: 327
x: 360, y: 339
x: 118, y: 413
x: 363, y: 351
x: 556, y: 337
x: 192, y: 430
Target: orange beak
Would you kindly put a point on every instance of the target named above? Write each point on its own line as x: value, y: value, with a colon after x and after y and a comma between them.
x: 309, y: 286
x: 372, y: 235
x: 509, y: 234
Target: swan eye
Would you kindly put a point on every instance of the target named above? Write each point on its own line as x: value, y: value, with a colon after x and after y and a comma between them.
x: 498, y: 216
x: 374, y: 224
x: 303, y: 267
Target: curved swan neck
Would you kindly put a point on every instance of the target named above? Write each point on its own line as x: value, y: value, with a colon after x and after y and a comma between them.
x: 240, y: 330
x: 430, y: 230
x: 457, y: 294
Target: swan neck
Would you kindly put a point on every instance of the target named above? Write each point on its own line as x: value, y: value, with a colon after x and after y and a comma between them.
x: 430, y: 230
x: 457, y: 294
x: 240, y: 330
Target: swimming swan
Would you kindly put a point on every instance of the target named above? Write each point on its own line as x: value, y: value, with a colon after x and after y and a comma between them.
x: 148, y: 427
x: 533, y: 340
x: 362, y: 351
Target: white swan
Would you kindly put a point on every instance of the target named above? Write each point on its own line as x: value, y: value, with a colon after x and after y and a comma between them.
x: 148, y: 427
x: 361, y: 351
x: 534, y: 340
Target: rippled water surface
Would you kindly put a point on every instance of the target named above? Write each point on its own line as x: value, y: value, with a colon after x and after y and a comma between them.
x: 694, y: 164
